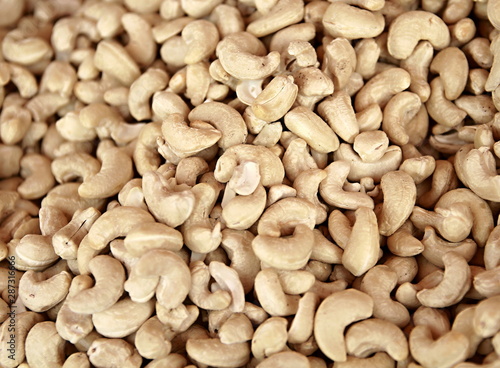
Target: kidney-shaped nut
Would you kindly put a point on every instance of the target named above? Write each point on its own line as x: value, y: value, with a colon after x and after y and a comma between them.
x: 199, y: 293
x: 271, y: 295
x: 112, y: 58
x: 276, y: 99
x: 453, y: 68
x: 455, y: 284
x: 283, y: 13
x: 271, y: 168
x: 310, y: 127
x: 411, y: 27
x: 400, y: 194
x: 398, y: 116
x: 201, y: 38
x: 242, y: 56
x: 269, y: 338
x: 362, y: 249
x: 344, y: 20
x: 104, y: 353
x: 213, y: 352
x: 122, y: 318
x: 225, y: 119
x: 40, y: 291
x: 347, y: 306
x: 151, y: 235
x: 371, y: 335
x: 449, y: 349
x: 109, y: 278
x: 379, y: 282
x: 486, y: 319
x: 44, y: 346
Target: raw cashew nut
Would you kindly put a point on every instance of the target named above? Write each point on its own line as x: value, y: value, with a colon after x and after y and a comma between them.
x: 225, y: 119
x: 449, y: 349
x: 113, y: 59
x: 142, y: 89
x: 276, y: 99
x: 271, y: 295
x: 282, y: 14
x: 242, y: 56
x: 109, y: 278
x: 310, y: 127
x: 362, y: 250
x: 486, y: 319
x: 398, y: 116
x: 455, y: 284
x: 371, y: 335
x: 453, y: 68
x: 411, y: 27
x: 344, y: 20
x: 104, y: 352
x: 40, y: 291
x: 169, y: 203
x: 269, y: 338
x: 201, y: 38
x: 199, y: 293
x: 334, y: 314
x: 400, y: 194
x: 214, y: 353
x: 44, y: 347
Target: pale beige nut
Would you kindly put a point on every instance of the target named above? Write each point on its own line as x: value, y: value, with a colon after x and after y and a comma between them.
x: 112, y: 58
x: 372, y: 335
x: 123, y: 318
x: 283, y: 13
x: 152, y: 235
x: 410, y: 27
x: 453, y: 73
x: 243, y: 49
x: 269, y: 338
x: 142, y: 89
x: 343, y: 20
x: 276, y: 99
x: 104, y: 353
x: 328, y: 331
x: 271, y: 295
x: 339, y: 62
x: 486, y: 320
x: 446, y: 351
x: 214, y: 352
x: 379, y: 282
x: 109, y: 278
x: 199, y: 292
x: 417, y: 64
x: 44, y: 346
x: 141, y: 46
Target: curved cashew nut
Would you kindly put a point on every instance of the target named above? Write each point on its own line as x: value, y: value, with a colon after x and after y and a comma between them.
x: 201, y: 38
x: 242, y: 56
x: 36, y: 251
x: 73, y: 326
x: 282, y: 14
x: 291, y: 253
x: 411, y: 27
x: 453, y: 68
x: 229, y: 280
x: 151, y: 235
x: 38, y: 178
x: 44, y: 346
x: 398, y: 113
x: 455, y: 284
x: 237, y: 245
x: 115, y: 223
x: 169, y: 203
x: 40, y: 291
x: 371, y: 335
x: 122, y: 318
x: 215, y: 353
x: 486, y: 319
x: 108, y: 182
x: 141, y: 46
x: 199, y: 293
x: 400, y: 194
x: 271, y: 168
x: 379, y: 283
x: 362, y: 249
x: 109, y: 278
x: 104, y: 352
x: 380, y: 88
x: 310, y: 127
x: 200, y: 234
x: 186, y: 141
x: 344, y: 20
x: 329, y: 330
x: 301, y: 328
x: 449, y: 349
x: 75, y: 165
x: 25, y: 51
x: 307, y: 185
x: 113, y: 59
x: 174, y: 275
x: 463, y: 323
x: 440, y: 108
x: 338, y: 112
x: 225, y: 119
x: 152, y: 339
x: 243, y: 211
x: 166, y: 103
x: 435, y: 247
x: 271, y: 295
x: 142, y: 89
x: 269, y: 338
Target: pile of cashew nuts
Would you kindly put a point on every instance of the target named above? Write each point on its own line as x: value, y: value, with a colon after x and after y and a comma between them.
x: 249, y: 183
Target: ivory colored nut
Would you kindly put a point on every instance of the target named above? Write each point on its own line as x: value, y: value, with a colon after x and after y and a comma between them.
x: 411, y: 27
x: 347, y: 306
x: 44, y: 346
x: 213, y: 352
x: 276, y: 99
x: 308, y: 126
x: 343, y: 20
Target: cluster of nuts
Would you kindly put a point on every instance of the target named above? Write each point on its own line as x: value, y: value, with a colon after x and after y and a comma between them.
x: 252, y: 183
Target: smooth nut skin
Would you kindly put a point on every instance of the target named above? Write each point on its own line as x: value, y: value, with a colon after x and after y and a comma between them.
x: 411, y: 27
x: 213, y: 352
x: 347, y: 306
